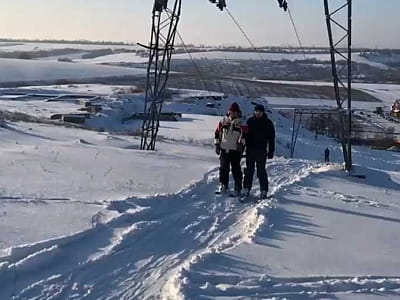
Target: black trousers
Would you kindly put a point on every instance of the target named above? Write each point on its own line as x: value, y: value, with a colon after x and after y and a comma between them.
x: 256, y: 158
x: 227, y: 161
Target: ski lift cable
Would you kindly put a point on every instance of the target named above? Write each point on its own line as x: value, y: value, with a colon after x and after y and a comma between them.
x: 189, y: 54
x: 225, y: 60
x: 197, y: 68
x: 254, y: 47
x: 235, y: 85
x: 221, y: 90
x: 226, y: 63
x: 202, y: 78
x: 296, y: 32
x: 244, y: 33
x: 248, y: 39
x: 298, y: 37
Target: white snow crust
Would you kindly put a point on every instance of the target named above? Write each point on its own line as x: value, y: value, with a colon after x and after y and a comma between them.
x: 85, y: 214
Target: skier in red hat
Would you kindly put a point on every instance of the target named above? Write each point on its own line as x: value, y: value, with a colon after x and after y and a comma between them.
x: 229, y: 145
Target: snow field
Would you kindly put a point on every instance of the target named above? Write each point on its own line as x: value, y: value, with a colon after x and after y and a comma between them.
x: 19, y: 70
x: 252, y: 270
x: 321, y: 235
x: 132, y: 224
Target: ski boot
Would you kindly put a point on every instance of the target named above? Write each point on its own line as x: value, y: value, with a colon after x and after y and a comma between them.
x: 222, y: 189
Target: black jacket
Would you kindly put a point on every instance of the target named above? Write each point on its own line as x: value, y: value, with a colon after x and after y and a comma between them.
x: 260, y: 134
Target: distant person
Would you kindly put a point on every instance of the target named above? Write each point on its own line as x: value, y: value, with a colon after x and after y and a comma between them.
x: 326, y: 152
x: 229, y: 145
x: 260, y: 143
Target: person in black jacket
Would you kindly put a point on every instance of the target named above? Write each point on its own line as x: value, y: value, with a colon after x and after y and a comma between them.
x: 326, y: 152
x: 260, y: 143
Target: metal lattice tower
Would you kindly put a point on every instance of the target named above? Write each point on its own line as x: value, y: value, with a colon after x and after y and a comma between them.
x: 342, y: 74
x: 163, y: 32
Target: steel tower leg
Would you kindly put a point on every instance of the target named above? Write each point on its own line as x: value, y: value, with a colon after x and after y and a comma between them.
x: 341, y: 78
x: 163, y: 32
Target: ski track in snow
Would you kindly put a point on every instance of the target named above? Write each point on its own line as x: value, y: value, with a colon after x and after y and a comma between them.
x: 265, y: 287
x: 356, y: 200
x: 150, y: 248
x: 192, y: 284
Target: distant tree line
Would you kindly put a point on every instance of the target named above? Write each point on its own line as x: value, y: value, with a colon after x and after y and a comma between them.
x: 308, y: 69
x: 102, y: 52
x: 38, y: 54
x: 62, y: 41
x: 329, y: 125
x: 268, y: 49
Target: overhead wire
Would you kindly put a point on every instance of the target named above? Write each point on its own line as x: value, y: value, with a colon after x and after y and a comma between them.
x: 251, y: 44
x: 298, y: 37
x: 235, y: 88
x: 296, y: 32
x: 244, y: 33
x: 225, y: 61
x: 202, y: 78
x: 255, y: 48
x: 201, y: 74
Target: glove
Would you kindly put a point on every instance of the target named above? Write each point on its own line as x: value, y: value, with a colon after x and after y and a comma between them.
x: 217, y: 149
x: 270, y: 155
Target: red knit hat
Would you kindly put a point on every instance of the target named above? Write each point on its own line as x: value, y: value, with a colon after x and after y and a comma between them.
x: 234, y: 107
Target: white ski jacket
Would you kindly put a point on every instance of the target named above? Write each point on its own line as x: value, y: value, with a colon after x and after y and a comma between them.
x: 229, y: 134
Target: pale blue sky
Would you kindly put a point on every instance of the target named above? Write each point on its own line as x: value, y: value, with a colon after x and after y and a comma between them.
x: 376, y: 22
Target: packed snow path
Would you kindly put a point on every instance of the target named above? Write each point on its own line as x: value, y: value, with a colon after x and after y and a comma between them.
x: 328, y: 236
x: 135, y: 254
x: 161, y: 247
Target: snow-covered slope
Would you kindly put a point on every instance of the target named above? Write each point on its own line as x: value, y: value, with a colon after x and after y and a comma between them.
x: 19, y: 70
x: 32, y: 46
x: 226, y: 55
x: 86, y: 215
x: 116, y: 58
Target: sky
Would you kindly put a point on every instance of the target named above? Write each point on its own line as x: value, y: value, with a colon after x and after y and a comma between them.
x: 375, y: 22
